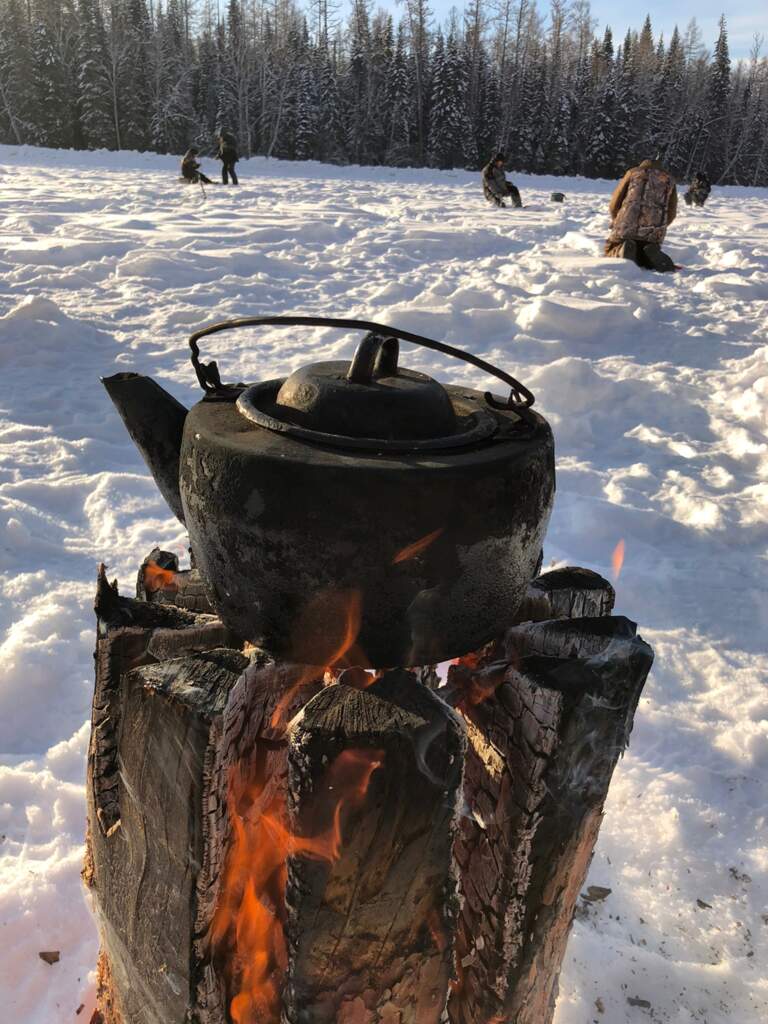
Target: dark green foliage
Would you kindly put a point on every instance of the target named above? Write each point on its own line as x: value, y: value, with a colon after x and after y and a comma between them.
x: 291, y: 79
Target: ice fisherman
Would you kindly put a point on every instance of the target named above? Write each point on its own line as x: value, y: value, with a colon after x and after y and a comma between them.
x: 190, y: 168
x: 698, y: 190
x: 227, y: 153
x: 496, y: 188
x: 642, y: 207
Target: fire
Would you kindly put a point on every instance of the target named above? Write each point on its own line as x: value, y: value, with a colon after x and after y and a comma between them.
x: 478, y: 675
x: 617, y: 559
x: 157, y: 578
x: 411, y: 550
x: 332, y: 620
x: 248, y: 926
x: 437, y: 930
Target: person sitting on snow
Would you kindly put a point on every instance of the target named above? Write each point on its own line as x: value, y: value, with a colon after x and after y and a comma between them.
x: 227, y: 153
x: 698, y: 190
x: 642, y: 207
x: 190, y: 168
x: 496, y: 188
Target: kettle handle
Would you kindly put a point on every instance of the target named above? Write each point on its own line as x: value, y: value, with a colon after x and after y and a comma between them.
x: 520, y: 397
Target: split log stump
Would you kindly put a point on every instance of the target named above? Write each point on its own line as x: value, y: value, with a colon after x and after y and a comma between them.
x: 161, y: 581
x: 267, y: 842
x: 567, y: 593
x: 162, y: 677
x: 371, y: 929
x: 546, y: 726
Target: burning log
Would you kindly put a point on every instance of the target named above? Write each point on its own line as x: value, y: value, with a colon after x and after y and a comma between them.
x: 160, y: 581
x: 280, y: 842
x: 376, y: 774
x: 567, y: 593
x: 162, y: 675
x: 241, y: 887
x: 546, y: 726
x: 130, y: 634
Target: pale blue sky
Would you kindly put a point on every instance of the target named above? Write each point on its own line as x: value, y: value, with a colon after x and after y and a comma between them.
x: 744, y: 19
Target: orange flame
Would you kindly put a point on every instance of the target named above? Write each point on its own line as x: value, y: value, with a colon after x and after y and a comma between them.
x: 411, y: 550
x: 437, y: 930
x: 617, y: 559
x: 333, y: 620
x: 478, y: 675
x: 157, y: 578
x: 250, y: 911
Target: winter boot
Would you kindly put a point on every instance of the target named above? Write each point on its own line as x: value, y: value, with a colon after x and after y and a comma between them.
x: 628, y: 250
x: 655, y: 259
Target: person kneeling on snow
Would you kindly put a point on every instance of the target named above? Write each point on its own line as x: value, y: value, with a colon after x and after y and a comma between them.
x: 190, y: 168
x: 642, y: 207
x: 698, y: 190
x: 496, y: 188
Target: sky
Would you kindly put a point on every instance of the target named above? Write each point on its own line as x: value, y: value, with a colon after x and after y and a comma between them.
x: 744, y: 19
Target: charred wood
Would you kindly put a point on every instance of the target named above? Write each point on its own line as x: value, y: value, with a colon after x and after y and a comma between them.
x: 161, y: 581
x: 145, y: 866
x: 162, y: 677
x: 246, y: 782
x: 371, y: 922
x: 567, y: 593
x: 546, y: 726
x: 131, y: 633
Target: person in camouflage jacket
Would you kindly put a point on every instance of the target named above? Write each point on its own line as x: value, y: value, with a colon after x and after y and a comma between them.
x: 496, y: 188
x: 642, y: 207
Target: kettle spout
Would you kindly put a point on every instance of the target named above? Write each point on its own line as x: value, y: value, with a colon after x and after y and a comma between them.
x: 155, y: 421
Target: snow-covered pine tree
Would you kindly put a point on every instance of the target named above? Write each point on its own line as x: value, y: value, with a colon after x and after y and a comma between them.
x: 206, y: 87
x: 93, y: 80
x: 238, y: 104
x: 306, y: 114
x: 418, y: 17
x: 600, y: 155
x: 328, y: 111
x: 174, y: 123
x: 381, y: 50
x: 487, y: 125
x: 718, y: 106
x: 160, y: 74
x: 50, y: 79
x: 631, y: 114
x: 450, y: 138
x: 398, y: 100
x: 16, y: 106
x: 137, y: 106
x: 357, y: 91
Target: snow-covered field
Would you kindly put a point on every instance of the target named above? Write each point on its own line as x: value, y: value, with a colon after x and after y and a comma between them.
x: 656, y: 388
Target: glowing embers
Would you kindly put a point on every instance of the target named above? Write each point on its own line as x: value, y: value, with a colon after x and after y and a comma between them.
x: 247, y: 933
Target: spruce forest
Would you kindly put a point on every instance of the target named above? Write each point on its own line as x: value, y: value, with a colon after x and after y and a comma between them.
x: 363, y: 86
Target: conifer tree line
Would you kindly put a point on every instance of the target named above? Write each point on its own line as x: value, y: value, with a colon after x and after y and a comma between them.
x: 310, y: 81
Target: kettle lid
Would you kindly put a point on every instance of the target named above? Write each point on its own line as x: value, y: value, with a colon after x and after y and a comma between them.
x: 371, y: 396
x: 370, y: 402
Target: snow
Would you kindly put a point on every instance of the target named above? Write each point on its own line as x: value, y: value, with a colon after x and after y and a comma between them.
x: 656, y: 388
